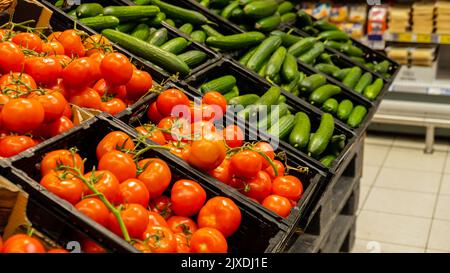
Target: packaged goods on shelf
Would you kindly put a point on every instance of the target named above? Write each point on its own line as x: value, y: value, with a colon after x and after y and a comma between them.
x: 321, y: 10
x: 339, y: 14
x: 399, y: 54
x: 423, y: 56
x: 399, y: 16
x: 442, y: 17
x: 358, y: 14
x: 376, y: 23
x: 423, y: 17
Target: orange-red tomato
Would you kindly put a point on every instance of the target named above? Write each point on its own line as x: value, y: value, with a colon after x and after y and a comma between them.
x: 64, y: 185
x: 96, y: 43
x: 258, y: 187
x: 71, y: 41
x: 182, y: 243
x: 58, y: 250
x: 13, y: 145
x: 53, y: 48
x: 106, y: 183
x: 288, y: 186
x: 155, y: 219
x: 267, y: 149
x: 187, y: 197
x: 22, y: 115
x: 154, y: 134
x: 278, y: 204
x: 153, y: 113
x: 44, y: 70
x: 113, y: 140
x: 162, y: 206
x: 139, y: 84
x: 181, y: 224
x: 118, y: 163
x: 246, y: 164
x: 29, y: 41
x: 21, y: 79
x: 53, y: 103
x: 222, y: 214
x: 116, y: 69
x: 156, y: 175
x: 135, y: 218
x: 95, y: 209
x: 80, y: 73
x: 61, y: 157
x: 133, y: 191
x: 113, y: 106
x: 160, y: 239
x: 280, y: 167
x: 22, y: 243
x: 12, y: 58
x: 169, y: 99
x: 180, y: 149
x: 89, y: 246
x: 207, y: 154
x: 215, y: 98
x: 87, y: 98
x: 223, y: 172
x: 233, y: 135
x: 208, y: 240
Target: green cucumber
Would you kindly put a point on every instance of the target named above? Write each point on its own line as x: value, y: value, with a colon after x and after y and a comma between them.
x: 288, y: 39
x: 185, y: 15
x: 223, y: 84
x: 292, y: 86
x: 72, y: 13
x: 357, y: 116
x: 198, y: 36
x: 261, y: 8
x: 244, y: 100
x: 226, y: 12
x: 141, y: 2
x: 285, y: 7
x: 262, y: 70
x: 206, y: 4
x: 321, y: 94
x: 364, y: 81
x: 265, y: 49
x: 283, y: 127
x: 344, y: 110
x: 269, y: 23
x: 159, y: 37
x: 352, y: 51
x: 334, y: 35
x: 89, y: 10
x: 157, y: 20
x: 126, y: 27
x: 338, y: 143
x: 164, y: 59
x: 232, y: 94
x: 328, y: 69
x: 211, y: 31
x: 186, y: 28
x: 264, y: 102
x: 371, y: 92
x: 302, y: 46
x: 382, y: 67
x: 330, y: 106
x: 281, y: 99
x: 310, y: 56
x: 100, y: 22
x: 312, y: 82
x: 288, y: 18
x: 236, y: 41
x: 325, y: 58
x: 273, y: 116
x: 289, y: 68
x: 175, y: 45
x: 352, y: 77
x: 327, y: 160
x: 193, y: 57
x: 358, y: 59
x: 170, y: 22
x: 244, y: 59
x: 275, y: 62
x: 299, y: 136
x: 141, y: 31
x: 303, y: 19
x: 130, y: 13
x: 321, y: 138
x: 324, y: 25
x: 312, y: 31
x: 237, y: 14
x: 341, y: 74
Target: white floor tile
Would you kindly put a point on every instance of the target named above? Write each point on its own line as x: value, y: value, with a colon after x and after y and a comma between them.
x: 429, y: 250
x: 363, y: 192
x: 418, y: 142
x: 415, y: 160
x: 369, y: 175
x: 447, y: 164
x: 375, y: 155
x: 366, y: 246
x: 445, y: 184
x: 411, y: 180
x: 443, y: 208
x: 403, y: 230
x: 380, y: 139
x: 439, y: 236
x: 400, y: 202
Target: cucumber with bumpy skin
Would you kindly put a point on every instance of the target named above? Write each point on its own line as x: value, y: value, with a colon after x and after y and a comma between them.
x: 186, y: 28
x: 260, y: 9
x: 371, y: 92
x: 302, y: 46
x: 198, y: 36
x: 330, y: 106
x: 352, y: 77
x: 321, y: 94
x: 223, y: 84
x: 268, y: 23
x: 130, y: 13
x: 236, y: 41
x: 299, y: 136
x: 364, y: 81
x: 193, y: 57
x: 282, y: 127
x: 357, y: 116
x: 289, y: 68
x: 265, y: 49
x: 321, y: 138
x: 312, y: 82
x: 310, y: 56
x: 275, y: 62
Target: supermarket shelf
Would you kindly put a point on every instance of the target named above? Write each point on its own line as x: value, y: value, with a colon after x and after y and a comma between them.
x: 409, y: 37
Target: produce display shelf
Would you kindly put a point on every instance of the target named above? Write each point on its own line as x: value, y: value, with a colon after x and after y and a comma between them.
x: 421, y: 38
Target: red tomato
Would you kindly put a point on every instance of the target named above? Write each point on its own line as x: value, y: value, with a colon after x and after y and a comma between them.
x: 71, y: 41
x: 68, y: 112
x: 13, y: 145
x: 280, y: 167
x: 95, y: 209
x: 106, y: 183
x: 44, y: 70
x: 154, y: 134
x: 106, y: 90
x: 22, y: 243
x: 182, y: 243
x: 206, y: 154
x: 169, y: 99
x: 113, y: 106
x: 141, y: 246
x: 187, y: 197
x: 288, y: 186
x: 53, y: 48
x: 246, y: 164
x: 116, y: 69
x: 233, y: 135
x: 29, y: 41
x: 22, y: 115
x: 278, y: 204
x: 60, y: 157
x: 162, y: 206
x: 208, y: 240
x: 181, y: 224
x: 80, y: 73
x: 135, y: 218
x: 139, y: 84
x: 113, y: 140
x: 155, y: 174
x: 55, y: 128
x: 57, y: 250
x: 258, y: 187
x: 267, y: 149
x: 223, y: 172
x: 118, y: 163
x: 87, y: 98
x: 180, y: 149
x: 211, y: 112
x: 153, y: 113
x: 96, y: 43
x: 64, y: 185
x: 160, y: 239
x: 63, y: 60
x: 53, y: 103
x: 177, y: 129
x: 155, y: 219
x: 220, y: 213
x: 89, y: 246
x: 18, y: 79
x: 133, y: 191
x: 215, y: 98
x: 12, y: 58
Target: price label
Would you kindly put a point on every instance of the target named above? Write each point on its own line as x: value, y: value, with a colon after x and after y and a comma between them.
x: 423, y: 38
x: 444, y: 39
x: 404, y: 37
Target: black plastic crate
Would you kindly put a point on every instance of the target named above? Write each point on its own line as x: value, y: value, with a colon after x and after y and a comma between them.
x: 258, y: 231
x: 248, y: 81
x: 61, y: 20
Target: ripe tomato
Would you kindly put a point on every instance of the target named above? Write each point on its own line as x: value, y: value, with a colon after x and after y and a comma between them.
x: 68, y: 112
x: 141, y: 246
x: 133, y: 191
x: 63, y: 60
x: 187, y: 197
x: 182, y: 243
x: 55, y: 128
x: 215, y: 98
x: 220, y: 213
x: 106, y: 90
x: 116, y: 69
x: 53, y: 103
x: 105, y: 182
x: 80, y: 73
x: 155, y: 174
x: 258, y: 187
x: 160, y: 239
x: 202, y: 128
x: 44, y: 70
x: 174, y: 128
x: 155, y: 219
x: 53, y: 48
x: 22, y: 115
x: 223, y: 172
x: 95, y: 209
x: 153, y: 113
x: 57, y: 250
x: 208, y: 240
x: 13, y: 145
x: 22, y: 243
x: 207, y: 154
x: 180, y: 224
x: 169, y: 99
x: 60, y: 157
x: 113, y: 140
x: 3, y: 100
x: 246, y: 164
x: 28, y: 40
x: 64, y: 185
x: 280, y: 167
x: 18, y: 79
x: 12, y: 58
x: 180, y: 149
x: 162, y: 206
x: 71, y: 41
x: 89, y: 246
x: 139, y: 84
x: 267, y: 149
x: 278, y: 204
x: 113, y: 106
x: 288, y: 186
x: 135, y: 218
x: 119, y: 163
x: 87, y: 98
x: 154, y: 134
x: 96, y: 43
x: 233, y: 135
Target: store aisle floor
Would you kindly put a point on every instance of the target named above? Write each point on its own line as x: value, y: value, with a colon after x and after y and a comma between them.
x: 405, y: 196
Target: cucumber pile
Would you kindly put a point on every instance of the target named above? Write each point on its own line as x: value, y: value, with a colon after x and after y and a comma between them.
x: 260, y: 15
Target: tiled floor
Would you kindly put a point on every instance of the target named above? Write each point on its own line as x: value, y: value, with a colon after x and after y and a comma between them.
x: 404, y: 196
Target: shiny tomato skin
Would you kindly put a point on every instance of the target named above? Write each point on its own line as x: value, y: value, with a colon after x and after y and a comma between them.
x: 187, y: 197
x: 53, y: 103
x: 12, y: 58
x: 208, y: 240
x: 154, y: 134
x: 155, y: 219
x: 223, y: 172
x: 160, y: 239
x: 156, y: 175
x: 133, y: 191
x: 105, y: 182
x: 116, y: 69
x: 206, y: 154
x: 278, y: 204
x: 64, y: 157
x: 22, y: 115
x: 118, y: 163
x: 222, y: 214
x: 22, y: 243
x: 139, y: 84
x: 267, y: 149
x: 113, y: 140
x: 233, y: 135
x: 153, y: 113
x: 181, y: 224
x: 80, y: 73
x: 64, y: 185
x: 95, y: 209
x: 29, y: 41
x: 246, y: 164
x: 169, y: 99
x: 288, y: 186
x: 280, y: 167
x: 86, y: 98
x: 13, y: 145
x: 113, y: 106
x: 182, y: 243
x: 135, y: 218
x: 53, y: 48
x: 89, y: 246
x: 162, y: 206
x: 72, y: 43
x: 44, y: 70
x: 258, y: 187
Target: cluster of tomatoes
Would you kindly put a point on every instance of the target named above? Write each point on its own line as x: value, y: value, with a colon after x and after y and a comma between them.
x: 24, y: 243
x: 135, y: 188
x: 189, y: 132
x: 41, y: 76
